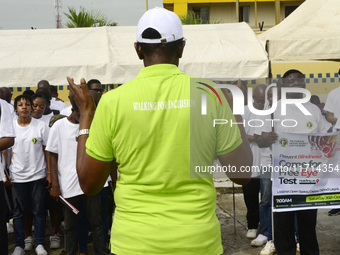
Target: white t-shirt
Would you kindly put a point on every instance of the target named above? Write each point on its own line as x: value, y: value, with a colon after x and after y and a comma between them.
x: 266, y: 153
x: 333, y: 103
x: 67, y: 111
x: 11, y: 108
x: 6, y: 130
x: 57, y: 105
x: 28, y: 160
x: 337, y: 125
x: 314, y: 123
x: 46, y: 118
x: 62, y: 141
x: 248, y: 115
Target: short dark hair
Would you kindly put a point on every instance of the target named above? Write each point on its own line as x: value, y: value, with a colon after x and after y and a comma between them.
x: 290, y: 72
x: 158, y: 48
x: 46, y: 94
x: 19, y: 98
x: 90, y: 82
x: 53, y: 89
x: 38, y: 95
x: 74, y: 105
x: 43, y: 83
x: 28, y: 92
x: 314, y: 99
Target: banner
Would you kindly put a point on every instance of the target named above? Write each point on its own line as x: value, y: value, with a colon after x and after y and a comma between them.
x: 306, y: 171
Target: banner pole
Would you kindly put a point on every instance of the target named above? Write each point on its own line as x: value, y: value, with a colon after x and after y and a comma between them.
x: 234, y: 209
x: 271, y: 208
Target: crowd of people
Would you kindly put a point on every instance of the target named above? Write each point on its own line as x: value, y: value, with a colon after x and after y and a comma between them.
x: 41, y: 167
x: 292, y: 230
x: 52, y: 156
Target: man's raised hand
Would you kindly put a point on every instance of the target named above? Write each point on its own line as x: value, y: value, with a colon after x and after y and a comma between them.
x: 82, y: 97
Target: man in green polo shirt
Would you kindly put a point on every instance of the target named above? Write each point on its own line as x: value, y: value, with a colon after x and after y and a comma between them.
x: 153, y: 129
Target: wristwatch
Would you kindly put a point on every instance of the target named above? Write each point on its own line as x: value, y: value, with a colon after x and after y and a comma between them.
x: 82, y: 132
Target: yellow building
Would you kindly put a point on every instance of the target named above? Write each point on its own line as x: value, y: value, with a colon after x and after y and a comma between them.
x: 252, y: 12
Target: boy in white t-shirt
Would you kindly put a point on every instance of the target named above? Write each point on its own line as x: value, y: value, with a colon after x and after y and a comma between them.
x: 7, y: 135
x: 62, y: 146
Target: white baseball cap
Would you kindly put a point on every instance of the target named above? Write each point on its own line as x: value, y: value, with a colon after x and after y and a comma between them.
x: 165, y: 22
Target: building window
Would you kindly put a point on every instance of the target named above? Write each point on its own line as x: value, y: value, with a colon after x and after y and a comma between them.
x: 244, y: 14
x: 202, y: 14
x: 169, y: 7
x: 289, y: 10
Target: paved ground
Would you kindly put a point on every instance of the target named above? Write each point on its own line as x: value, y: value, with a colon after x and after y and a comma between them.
x: 328, y: 229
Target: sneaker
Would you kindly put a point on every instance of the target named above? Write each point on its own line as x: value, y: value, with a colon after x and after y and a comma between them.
x: 54, y: 242
x: 334, y: 212
x: 259, y: 241
x: 297, y: 247
x: 29, y: 243
x: 18, y: 251
x: 40, y: 250
x: 251, y: 234
x: 61, y: 230
x: 269, y: 249
x: 10, y: 229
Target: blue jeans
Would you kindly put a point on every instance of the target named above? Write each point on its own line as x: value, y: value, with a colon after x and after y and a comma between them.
x: 265, y: 204
x: 3, y: 220
x: 32, y: 197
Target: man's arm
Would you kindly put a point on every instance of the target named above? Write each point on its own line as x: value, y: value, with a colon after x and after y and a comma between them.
x: 250, y: 138
x: 266, y: 139
x: 330, y: 117
x: 241, y: 158
x: 5, y: 143
x: 55, y: 190
x: 47, y: 160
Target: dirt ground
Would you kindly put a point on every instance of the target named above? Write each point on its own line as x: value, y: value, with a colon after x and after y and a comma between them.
x: 328, y: 229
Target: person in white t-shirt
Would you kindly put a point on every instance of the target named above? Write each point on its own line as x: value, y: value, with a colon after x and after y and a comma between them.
x: 265, y: 230
x: 62, y: 146
x: 252, y: 189
x: 7, y: 135
x: 56, y: 103
x: 314, y: 123
x: 39, y: 105
x: 332, y: 106
x: 7, y: 96
x: 28, y: 173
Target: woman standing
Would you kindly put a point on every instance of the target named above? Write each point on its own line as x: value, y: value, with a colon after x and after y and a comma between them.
x: 28, y: 173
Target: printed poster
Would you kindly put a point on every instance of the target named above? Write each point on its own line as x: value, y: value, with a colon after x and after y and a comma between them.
x: 306, y: 171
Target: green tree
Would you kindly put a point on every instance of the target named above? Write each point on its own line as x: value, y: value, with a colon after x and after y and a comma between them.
x: 87, y: 18
x: 192, y: 19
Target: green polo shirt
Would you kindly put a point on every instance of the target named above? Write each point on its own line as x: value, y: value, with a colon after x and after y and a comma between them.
x: 145, y: 126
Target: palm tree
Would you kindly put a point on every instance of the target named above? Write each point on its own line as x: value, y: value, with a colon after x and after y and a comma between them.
x: 87, y: 18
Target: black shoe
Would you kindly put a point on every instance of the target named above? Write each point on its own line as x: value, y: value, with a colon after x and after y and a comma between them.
x: 334, y: 212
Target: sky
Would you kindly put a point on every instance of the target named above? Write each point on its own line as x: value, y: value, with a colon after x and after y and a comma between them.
x: 24, y: 14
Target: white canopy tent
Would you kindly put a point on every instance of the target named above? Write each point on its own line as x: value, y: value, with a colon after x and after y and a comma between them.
x: 212, y: 51
x: 311, y: 32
